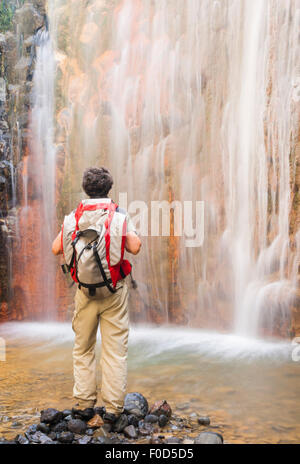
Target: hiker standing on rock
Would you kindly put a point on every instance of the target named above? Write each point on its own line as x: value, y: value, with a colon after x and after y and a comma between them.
x: 93, y: 240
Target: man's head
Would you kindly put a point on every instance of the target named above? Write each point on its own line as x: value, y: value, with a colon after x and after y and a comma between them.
x: 97, y: 182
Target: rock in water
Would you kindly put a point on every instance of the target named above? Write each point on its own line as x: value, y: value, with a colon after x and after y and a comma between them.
x: 203, y: 420
x: 60, y: 427
x: 66, y: 412
x: 145, y: 428
x: 172, y: 440
x: 162, y: 420
x: 50, y: 416
x: 95, y: 422
x: 136, y: 404
x: 209, y: 438
x: 65, y: 437
x: 151, y: 418
x: 133, y: 420
x: 161, y: 407
x: 43, y: 428
x: 121, y: 423
x: 31, y: 429
x: 77, y: 426
x: 84, y: 440
x: 21, y: 440
x: 130, y: 432
x: 39, y: 437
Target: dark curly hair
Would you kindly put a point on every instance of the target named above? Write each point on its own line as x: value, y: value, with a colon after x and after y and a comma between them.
x: 97, y: 182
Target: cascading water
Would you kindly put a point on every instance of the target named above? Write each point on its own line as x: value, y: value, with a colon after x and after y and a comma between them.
x: 34, y: 266
x: 191, y: 101
x: 182, y: 100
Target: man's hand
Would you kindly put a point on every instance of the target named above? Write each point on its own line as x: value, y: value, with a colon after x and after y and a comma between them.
x: 133, y: 243
x: 56, y: 245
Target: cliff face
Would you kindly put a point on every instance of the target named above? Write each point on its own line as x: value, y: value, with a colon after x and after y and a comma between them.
x: 204, y: 106
x: 19, y: 23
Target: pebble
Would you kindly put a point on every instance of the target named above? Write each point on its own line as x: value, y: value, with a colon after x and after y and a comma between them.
x: 31, y: 429
x: 203, y: 420
x: 22, y: 440
x: 133, y: 420
x: 182, y: 406
x: 209, y: 438
x: 84, y: 440
x: 162, y: 420
x: 42, y: 427
x: 120, y: 424
x: 60, y: 427
x: 130, y: 432
x: 77, y: 426
x: 40, y: 437
x: 174, y: 440
x: 50, y: 416
x: 161, y: 407
x: 15, y: 425
x: 95, y: 422
x: 151, y: 418
x: 65, y: 437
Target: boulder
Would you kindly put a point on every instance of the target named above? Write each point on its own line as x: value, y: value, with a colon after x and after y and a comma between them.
x: 136, y: 404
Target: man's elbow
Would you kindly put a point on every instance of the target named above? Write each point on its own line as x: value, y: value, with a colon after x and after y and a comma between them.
x: 137, y: 248
x: 55, y: 249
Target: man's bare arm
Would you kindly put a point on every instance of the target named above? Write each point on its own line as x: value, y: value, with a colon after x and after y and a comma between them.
x: 56, y: 245
x: 133, y: 243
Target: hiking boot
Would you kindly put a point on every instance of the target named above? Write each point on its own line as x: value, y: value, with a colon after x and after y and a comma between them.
x: 84, y: 404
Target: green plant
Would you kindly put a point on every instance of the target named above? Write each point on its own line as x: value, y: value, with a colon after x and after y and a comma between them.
x: 6, y: 16
x: 7, y: 11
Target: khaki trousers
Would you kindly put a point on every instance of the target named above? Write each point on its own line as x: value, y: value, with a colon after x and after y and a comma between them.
x: 112, y: 314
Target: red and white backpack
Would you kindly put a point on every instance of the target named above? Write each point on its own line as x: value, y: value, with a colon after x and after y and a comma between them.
x: 93, y: 243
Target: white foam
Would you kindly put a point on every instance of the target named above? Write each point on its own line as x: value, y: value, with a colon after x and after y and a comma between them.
x: 153, y: 341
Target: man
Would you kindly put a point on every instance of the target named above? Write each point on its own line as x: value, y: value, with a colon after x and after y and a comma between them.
x: 107, y: 306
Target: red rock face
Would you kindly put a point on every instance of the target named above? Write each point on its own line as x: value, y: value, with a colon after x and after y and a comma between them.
x: 159, y: 145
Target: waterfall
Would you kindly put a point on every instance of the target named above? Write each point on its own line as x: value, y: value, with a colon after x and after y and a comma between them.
x: 34, y: 266
x: 191, y: 101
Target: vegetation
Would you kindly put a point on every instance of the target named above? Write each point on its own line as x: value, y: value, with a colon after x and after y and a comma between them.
x: 7, y: 10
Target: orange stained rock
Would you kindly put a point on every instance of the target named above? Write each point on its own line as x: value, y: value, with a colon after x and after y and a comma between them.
x: 64, y: 120
x: 78, y: 87
x: 92, y: 110
x: 89, y: 33
x: 105, y: 61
